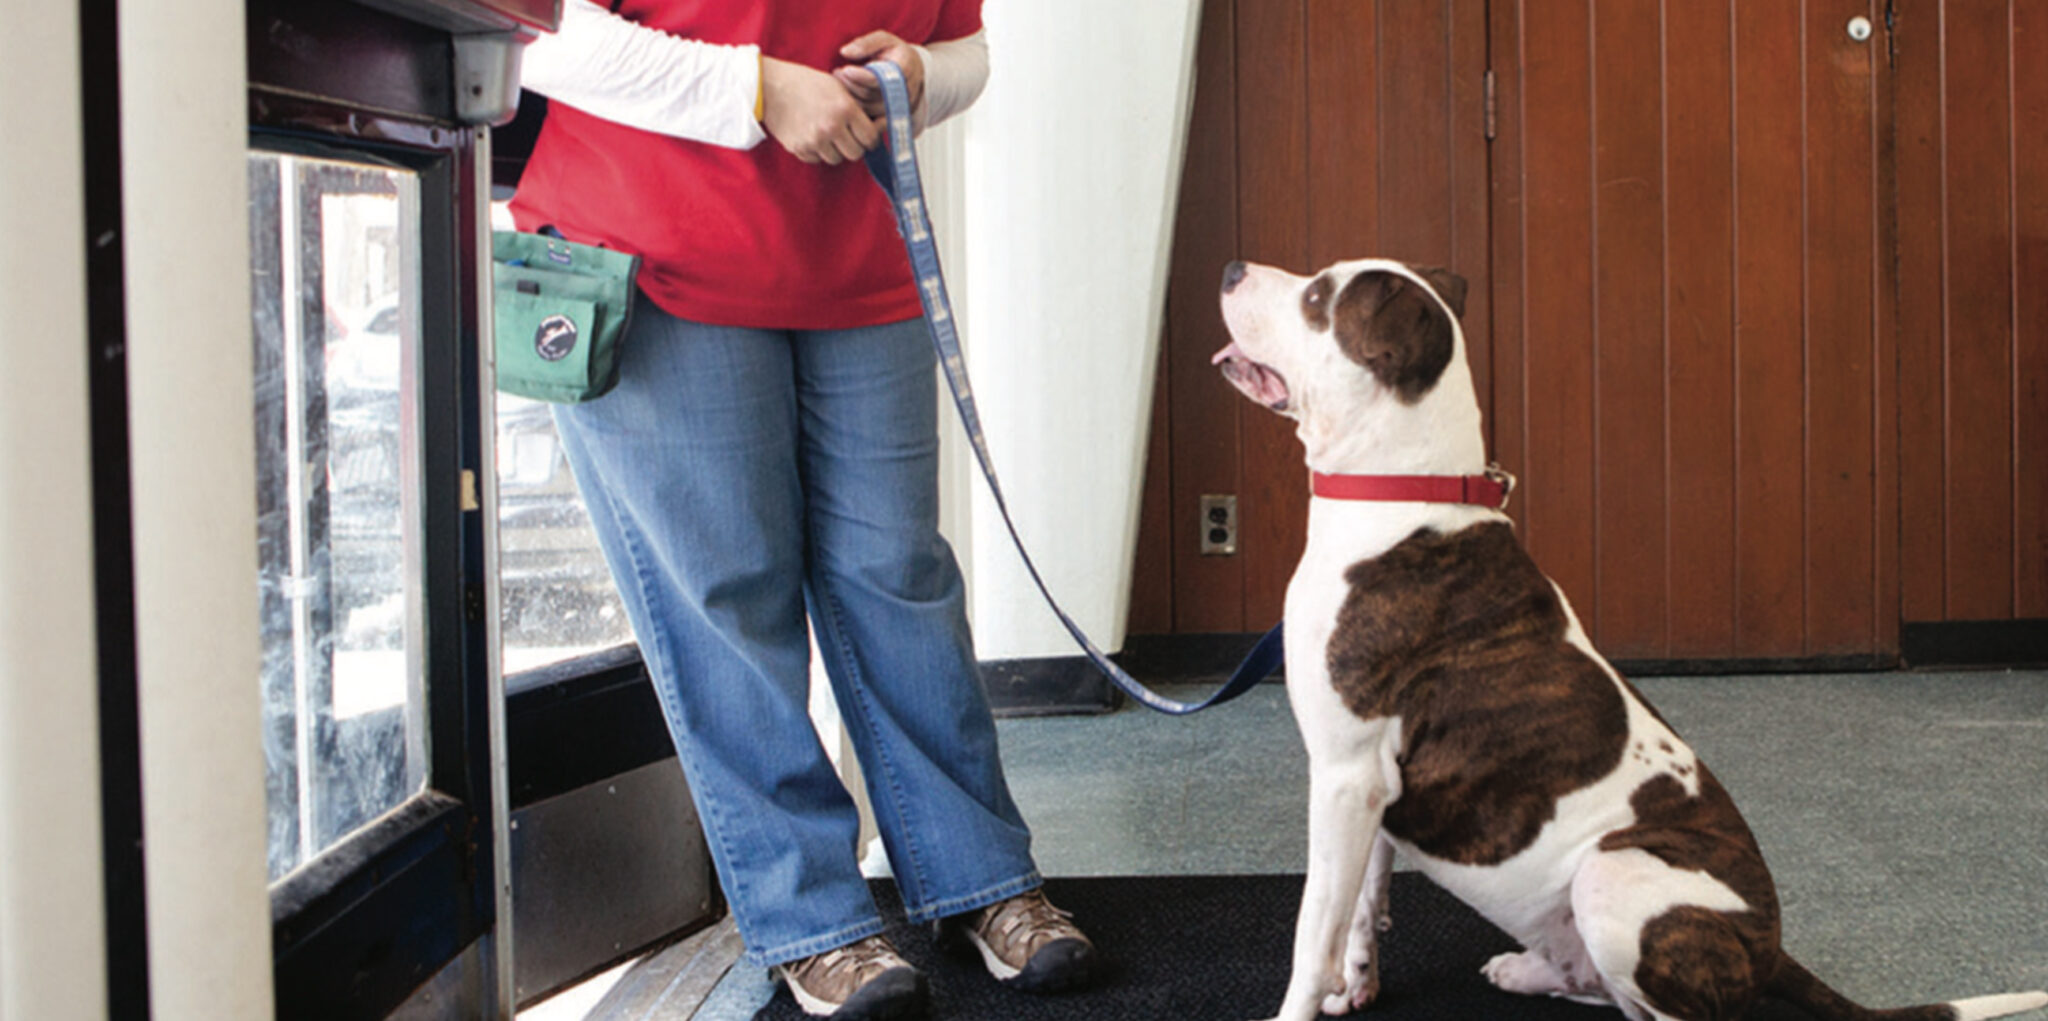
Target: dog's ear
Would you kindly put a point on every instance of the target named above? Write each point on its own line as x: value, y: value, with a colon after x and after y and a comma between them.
x: 1387, y: 323
x: 1448, y: 285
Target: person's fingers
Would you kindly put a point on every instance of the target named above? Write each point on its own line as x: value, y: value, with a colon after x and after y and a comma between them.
x: 846, y: 144
x: 820, y: 117
x: 857, y: 79
x: 867, y: 131
x: 868, y: 45
x: 868, y: 93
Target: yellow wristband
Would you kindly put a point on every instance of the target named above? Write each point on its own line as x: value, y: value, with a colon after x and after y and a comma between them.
x: 760, y: 86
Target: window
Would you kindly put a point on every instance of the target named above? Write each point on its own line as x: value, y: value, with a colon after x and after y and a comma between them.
x: 556, y: 595
x: 335, y: 297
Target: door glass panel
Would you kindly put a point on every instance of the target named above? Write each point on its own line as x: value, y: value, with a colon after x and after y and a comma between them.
x: 334, y: 290
x: 557, y: 597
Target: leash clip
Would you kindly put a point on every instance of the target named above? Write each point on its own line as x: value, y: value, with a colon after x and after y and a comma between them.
x: 1506, y: 479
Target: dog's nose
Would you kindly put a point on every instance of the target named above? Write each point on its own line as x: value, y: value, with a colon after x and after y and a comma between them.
x: 1232, y: 274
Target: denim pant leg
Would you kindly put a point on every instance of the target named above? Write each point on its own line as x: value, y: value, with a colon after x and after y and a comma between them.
x: 888, y: 605
x: 690, y: 472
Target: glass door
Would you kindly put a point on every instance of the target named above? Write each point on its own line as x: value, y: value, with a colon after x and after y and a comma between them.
x: 334, y: 285
x: 375, y: 677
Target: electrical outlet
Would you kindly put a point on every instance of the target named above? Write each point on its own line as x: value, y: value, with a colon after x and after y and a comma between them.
x: 1219, y: 525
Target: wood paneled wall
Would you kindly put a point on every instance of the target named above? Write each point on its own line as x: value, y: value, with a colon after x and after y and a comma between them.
x: 1760, y: 310
x: 1973, y: 308
x: 1323, y: 130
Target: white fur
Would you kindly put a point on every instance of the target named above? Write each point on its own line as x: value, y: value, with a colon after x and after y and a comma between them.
x: 1998, y: 1006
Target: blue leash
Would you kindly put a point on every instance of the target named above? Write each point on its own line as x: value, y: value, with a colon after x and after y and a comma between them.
x: 895, y: 169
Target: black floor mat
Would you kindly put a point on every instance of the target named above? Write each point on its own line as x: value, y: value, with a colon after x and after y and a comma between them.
x: 1215, y: 948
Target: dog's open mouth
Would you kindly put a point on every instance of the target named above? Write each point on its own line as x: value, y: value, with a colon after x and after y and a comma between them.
x: 1258, y: 381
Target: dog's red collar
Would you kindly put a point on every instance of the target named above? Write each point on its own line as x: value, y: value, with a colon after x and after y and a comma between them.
x: 1488, y: 490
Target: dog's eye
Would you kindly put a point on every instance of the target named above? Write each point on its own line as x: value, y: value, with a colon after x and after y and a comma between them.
x: 1313, y: 301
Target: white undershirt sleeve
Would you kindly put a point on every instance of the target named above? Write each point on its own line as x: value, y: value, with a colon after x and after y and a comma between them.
x: 954, y: 73
x: 645, y: 78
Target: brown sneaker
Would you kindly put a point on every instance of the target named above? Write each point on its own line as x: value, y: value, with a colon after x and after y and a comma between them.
x: 1026, y: 942
x: 862, y: 980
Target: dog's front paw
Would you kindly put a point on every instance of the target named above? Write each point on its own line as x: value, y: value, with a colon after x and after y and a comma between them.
x: 1361, y: 985
x: 1354, y: 995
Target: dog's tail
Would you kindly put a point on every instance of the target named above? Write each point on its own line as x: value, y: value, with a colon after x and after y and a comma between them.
x: 1797, y: 985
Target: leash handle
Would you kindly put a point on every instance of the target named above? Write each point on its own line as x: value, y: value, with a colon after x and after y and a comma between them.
x: 894, y: 167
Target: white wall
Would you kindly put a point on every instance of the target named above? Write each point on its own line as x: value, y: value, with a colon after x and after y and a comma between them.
x: 184, y: 141
x: 942, y: 168
x: 52, y: 912
x: 1073, y: 160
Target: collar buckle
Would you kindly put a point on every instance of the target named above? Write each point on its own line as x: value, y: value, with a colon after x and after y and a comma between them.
x: 1506, y: 479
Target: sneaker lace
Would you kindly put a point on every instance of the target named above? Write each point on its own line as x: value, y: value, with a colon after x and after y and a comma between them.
x: 858, y: 957
x: 1032, y: 917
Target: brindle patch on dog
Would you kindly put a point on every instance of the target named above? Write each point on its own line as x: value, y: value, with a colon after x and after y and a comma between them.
x: 1696, y: 962
x: 1463, y: 637
x: 1703, y: 833
x: 1695, y: 967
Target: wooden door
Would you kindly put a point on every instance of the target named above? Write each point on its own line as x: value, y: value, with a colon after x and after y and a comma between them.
x: 1323, y: 130
x: 1694, y: 371
x: 1764, y: 342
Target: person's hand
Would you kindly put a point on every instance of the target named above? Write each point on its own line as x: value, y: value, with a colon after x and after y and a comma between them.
x: 813, y: 115
x: 862, y: 84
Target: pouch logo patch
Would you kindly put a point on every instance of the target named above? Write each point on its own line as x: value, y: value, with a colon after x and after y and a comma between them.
x: 555, y: 338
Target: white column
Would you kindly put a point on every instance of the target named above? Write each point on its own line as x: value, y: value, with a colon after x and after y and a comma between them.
x: 52, y: 907
x: 184, y: 142
x: 1073, y: 168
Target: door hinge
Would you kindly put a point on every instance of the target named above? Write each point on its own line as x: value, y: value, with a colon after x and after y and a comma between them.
x: 1491, y: 106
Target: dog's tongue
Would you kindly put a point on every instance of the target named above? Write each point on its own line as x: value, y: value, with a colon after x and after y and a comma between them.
x: 1256, y: 381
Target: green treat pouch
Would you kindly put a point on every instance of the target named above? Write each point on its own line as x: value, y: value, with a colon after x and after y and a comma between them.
x: 561, y: 311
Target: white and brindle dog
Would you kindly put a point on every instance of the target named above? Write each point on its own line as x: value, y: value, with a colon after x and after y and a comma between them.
x: 1453, y: 708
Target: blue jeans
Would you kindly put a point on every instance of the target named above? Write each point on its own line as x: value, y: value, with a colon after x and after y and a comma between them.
x: 741, y: 482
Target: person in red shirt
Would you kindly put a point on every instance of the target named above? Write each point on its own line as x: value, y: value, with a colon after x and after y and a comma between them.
x: 768, y: 462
